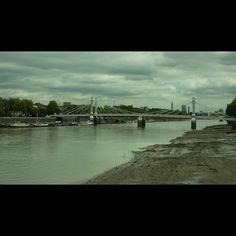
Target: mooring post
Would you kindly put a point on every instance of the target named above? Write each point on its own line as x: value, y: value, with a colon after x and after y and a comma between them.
x: 193, y: 119
x: 141, y: 122
x: 95, y: 120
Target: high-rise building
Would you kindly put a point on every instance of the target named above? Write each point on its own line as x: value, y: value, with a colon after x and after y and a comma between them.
x: 183, y: 108
x: 188, y: 109
x: 172, y: 106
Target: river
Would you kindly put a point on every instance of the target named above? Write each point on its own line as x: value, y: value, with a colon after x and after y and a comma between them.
x: 74, y: 154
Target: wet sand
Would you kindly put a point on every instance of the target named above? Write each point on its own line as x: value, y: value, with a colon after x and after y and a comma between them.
x: 205, y: 156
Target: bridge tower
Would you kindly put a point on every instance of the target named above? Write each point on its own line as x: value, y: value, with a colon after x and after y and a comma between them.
x: 91, y: 106
x: 95, y: 117
x: 193, y: 120
x: 193, y: 105
x: 91, y: 109
x: 141, y: 122
x: 96, y: 107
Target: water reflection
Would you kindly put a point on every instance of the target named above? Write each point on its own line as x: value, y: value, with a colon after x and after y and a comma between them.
x: 52, y: 140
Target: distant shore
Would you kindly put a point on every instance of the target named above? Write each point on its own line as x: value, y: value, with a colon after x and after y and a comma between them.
x: 205, y: 156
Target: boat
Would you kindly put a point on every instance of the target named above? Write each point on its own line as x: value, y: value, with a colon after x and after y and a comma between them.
x: 19, y: 124
x: 221, y: 118
x: 150, y: 121
x: 73, y: 123
x: 38, y: 124
x: 88, y: 122
x: 3, y: 125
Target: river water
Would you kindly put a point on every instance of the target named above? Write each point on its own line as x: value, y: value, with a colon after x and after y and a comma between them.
x: 74, y: 154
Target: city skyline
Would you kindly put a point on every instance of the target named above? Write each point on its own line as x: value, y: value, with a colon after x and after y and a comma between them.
x: 151, y: 79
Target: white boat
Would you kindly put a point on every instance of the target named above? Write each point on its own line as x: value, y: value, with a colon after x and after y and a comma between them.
x: 88, y: 122
x: 19, y: 124
x: 38, y: 124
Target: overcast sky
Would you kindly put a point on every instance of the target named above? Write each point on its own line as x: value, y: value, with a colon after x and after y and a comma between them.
x: 151, y: 79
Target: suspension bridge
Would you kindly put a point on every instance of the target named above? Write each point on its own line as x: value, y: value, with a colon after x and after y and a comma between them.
x: 107, y: 111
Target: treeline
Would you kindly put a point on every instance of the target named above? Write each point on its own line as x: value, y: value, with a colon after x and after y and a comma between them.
x: 231, y: 108
x: 131, y: 108
x: 24, y: 107
x: 145, y: 109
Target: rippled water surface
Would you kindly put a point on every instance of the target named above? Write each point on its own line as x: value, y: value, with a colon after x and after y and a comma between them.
x: 70, y: 155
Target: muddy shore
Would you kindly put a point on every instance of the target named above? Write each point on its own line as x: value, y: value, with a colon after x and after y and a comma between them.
x: 205, y: 156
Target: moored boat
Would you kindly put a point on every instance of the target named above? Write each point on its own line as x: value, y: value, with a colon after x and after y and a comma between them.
x: 39, y: 125
x: 19, y: 124
x: 221, y: 118
x: 88, y: 122
x: 73, y: 123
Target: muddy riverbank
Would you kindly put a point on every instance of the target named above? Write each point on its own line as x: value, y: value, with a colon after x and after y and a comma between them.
x: 205, y: 156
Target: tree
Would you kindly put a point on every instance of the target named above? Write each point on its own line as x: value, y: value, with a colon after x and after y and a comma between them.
x: 52, y: 108
x: 29, y: 107
x: 231, y: 108
x: 1, y: 107
x: 6, y: 106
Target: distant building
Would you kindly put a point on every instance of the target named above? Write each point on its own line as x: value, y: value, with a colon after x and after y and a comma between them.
x: 39, y: 105
x: 172, y: 106
x: 203, y: 113
x: 221, y: 110
x: 66, y: 103
x: 145, y: 108
x: 188, y: 109
x: 184, y: 108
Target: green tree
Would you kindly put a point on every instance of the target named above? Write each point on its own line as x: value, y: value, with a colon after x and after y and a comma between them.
x: 12, y: 106
x: 23, y: 106
x: 1, y: 107
x: 6, y: 107
x: 52, y: 108
x: 26, y: 107
x: 231, y: 108
x: 29, y: 107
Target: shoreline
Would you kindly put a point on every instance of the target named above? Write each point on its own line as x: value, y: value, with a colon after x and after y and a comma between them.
x: 197, y: 157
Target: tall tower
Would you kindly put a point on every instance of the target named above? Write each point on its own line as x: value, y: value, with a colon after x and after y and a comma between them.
x: 193, y: 119
x: 91, y: 107
x: 193, y: 106
x: 172, y: 106
x: 96, y: 106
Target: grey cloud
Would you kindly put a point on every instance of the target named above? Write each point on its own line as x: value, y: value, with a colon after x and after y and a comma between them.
x: 137, y: 77
x: 229, y: 59
x: 98, y: 90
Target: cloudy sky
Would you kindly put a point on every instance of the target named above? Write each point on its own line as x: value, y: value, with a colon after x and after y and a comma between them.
x: 139, y: 78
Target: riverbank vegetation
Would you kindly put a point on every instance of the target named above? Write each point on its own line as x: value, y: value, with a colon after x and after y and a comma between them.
x: 231, y: 108
x: 16, y: 107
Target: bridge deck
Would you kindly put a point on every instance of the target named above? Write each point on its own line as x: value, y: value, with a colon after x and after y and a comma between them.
x: 145, y: 116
